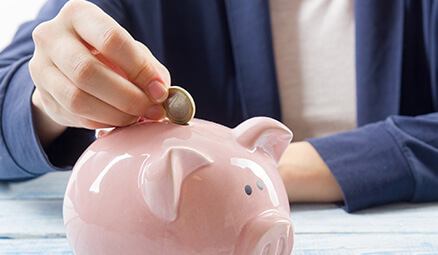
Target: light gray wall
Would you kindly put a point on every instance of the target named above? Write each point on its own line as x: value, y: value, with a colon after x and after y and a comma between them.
x: 12, y: 14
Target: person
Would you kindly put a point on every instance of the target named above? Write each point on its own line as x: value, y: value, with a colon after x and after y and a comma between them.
x: 84, y: 65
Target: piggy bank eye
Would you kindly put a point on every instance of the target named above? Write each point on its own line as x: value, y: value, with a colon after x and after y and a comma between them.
x: 248, y: 190
x: 260, y: 185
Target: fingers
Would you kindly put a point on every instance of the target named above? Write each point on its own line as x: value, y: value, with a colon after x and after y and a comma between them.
x: 115, y: 43
x: 62, y: 117
x: 97, y: 79
x: 89, y: 72
x: 70, y: 106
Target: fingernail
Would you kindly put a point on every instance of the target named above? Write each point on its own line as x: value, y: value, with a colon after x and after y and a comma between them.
x: 155, y: 112
x: 157, y: 91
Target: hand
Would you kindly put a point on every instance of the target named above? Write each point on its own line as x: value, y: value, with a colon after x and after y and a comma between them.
x: 90, y: 73
x: 306, y: 177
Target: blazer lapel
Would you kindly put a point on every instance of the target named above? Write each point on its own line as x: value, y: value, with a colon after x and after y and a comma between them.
x: 379, y: 56
x: 251, y: 42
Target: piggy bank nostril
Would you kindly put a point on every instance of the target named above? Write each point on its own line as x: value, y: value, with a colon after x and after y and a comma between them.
x: 267, y: 234
x: 267, y: 250
x: 277, y: 240
x: 276, y: 247
x: 281, y: 246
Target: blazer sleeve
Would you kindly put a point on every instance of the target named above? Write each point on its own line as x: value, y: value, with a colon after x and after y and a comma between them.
x: 21, y: 155
x: 389, y: 161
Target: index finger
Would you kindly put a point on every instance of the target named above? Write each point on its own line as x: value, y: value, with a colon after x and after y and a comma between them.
x: 104, y: 34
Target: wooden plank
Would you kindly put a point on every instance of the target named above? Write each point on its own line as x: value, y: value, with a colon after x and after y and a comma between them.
x: 31, y: 219
x: 35, y: 246
x: 49, y: 186
x: 351, y: 244
x: 397, y: 218
x: 309, y: 244
x: 31, y: 223
x: 26, y: 218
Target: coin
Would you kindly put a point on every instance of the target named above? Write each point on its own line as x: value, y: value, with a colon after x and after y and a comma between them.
x: 180, y: 107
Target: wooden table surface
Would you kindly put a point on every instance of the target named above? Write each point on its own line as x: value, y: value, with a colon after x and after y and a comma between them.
x: 31, y: 223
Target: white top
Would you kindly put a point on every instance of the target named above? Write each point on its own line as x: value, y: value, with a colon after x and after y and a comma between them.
x: 314, y: 57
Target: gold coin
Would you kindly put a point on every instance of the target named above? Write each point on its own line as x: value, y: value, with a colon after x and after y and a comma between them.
x: 180, y: 107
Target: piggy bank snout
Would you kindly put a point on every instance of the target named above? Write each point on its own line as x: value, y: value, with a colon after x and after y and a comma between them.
x: 268, y: 234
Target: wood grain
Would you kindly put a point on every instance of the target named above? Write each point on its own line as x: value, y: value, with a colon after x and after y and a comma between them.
x: 35, y: 246
x: 49, y: 186
x: 324, y: 244
x: 364, y: 243
x: 396, y: 218
x: 31, y: 219
x: 31, y: 223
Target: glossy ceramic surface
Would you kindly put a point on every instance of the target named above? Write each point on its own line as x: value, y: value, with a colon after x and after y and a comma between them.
x: 162, y: 188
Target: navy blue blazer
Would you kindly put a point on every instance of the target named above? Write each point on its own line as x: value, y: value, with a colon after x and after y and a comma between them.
x: 221, y: 51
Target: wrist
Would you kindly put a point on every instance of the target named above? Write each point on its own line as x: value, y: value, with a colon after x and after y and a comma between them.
x: 306, y: 176
x: 46, y: 129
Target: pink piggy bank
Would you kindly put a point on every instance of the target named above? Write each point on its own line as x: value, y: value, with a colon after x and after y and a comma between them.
x: 162, y: 188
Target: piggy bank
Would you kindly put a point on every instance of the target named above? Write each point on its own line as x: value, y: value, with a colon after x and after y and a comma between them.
x: 201, y: 188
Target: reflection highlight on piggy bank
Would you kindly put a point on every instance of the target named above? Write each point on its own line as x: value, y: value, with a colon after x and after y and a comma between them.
x: 162, y: 188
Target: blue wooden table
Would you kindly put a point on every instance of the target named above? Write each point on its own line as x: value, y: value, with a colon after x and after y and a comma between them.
x: 31, y: 223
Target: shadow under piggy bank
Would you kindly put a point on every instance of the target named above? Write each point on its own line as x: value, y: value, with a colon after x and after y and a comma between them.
x: 161, y: 188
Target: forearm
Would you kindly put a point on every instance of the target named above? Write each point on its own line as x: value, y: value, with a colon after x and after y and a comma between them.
x: 46, y: 129
x: 306, y: 177
x: 384, y: 162
x: 21, y: 154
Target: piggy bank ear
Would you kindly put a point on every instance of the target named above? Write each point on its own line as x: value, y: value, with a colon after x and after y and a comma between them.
x: 162, y: 187
x: 264, y: 133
